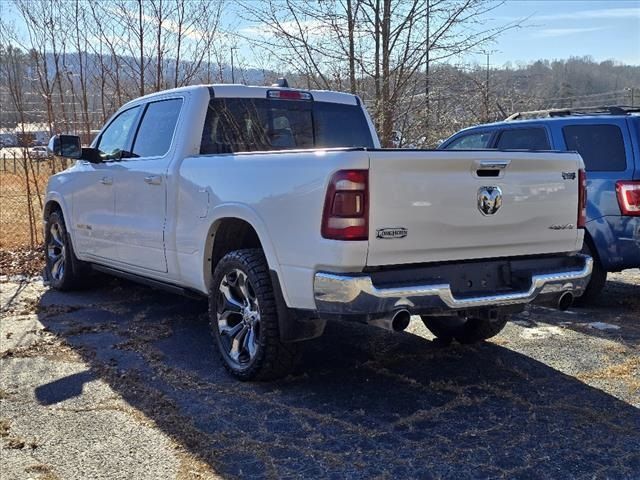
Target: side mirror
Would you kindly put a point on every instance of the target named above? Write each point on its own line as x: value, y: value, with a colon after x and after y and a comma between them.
x: 67, y: 146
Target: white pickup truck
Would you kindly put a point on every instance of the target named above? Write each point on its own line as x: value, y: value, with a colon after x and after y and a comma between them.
x: 280, y: 206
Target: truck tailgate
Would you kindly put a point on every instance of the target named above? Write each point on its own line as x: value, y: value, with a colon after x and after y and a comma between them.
x: 432, y: 206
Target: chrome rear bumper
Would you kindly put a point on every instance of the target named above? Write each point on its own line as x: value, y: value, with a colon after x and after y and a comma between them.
x: 344, y: 294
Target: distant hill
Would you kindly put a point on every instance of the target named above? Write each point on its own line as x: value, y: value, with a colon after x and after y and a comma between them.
x: 458, y: 95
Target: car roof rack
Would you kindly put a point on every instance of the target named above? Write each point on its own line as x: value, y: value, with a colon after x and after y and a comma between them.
x: 567, y: 112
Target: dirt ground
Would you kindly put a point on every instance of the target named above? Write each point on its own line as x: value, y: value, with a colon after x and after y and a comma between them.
x: 122, y: 381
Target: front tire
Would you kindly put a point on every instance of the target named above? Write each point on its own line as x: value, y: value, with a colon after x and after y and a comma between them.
x: 244, y: 320
x: 63, y: 270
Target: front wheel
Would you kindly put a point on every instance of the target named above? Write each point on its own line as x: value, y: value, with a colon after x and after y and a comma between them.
x: 244, y: 320
x: 465, y: 330
x: 62, y: 269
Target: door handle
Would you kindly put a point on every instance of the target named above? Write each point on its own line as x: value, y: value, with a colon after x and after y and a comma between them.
x: 106, y: 180
x: 153, y: 179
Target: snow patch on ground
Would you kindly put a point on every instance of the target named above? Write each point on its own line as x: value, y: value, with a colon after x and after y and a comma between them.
x: 539, y: 333
x: 603, y: 326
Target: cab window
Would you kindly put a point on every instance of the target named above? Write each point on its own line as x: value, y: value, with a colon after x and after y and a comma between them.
x: 471, y: 141
x: 523, y: 139
x: 157, y: 128
x: 115, y: 140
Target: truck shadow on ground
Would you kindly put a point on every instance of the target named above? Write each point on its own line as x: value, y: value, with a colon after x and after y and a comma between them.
x: 369, y: 403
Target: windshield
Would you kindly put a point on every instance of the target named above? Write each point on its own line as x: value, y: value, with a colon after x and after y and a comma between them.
x: 246, y: 125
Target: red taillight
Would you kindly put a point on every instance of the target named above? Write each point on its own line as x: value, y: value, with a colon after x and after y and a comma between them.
x: 582, y: 198
x: 346, y: 206
x: 629, y: 197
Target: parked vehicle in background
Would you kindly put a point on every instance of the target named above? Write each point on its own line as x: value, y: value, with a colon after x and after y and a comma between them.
x: 280, y: 206
x: 38, y: 153
x: 608, y: 139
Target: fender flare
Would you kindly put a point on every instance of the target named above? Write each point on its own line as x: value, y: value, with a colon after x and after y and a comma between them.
x: 243, y: 212
x: 55, y: 197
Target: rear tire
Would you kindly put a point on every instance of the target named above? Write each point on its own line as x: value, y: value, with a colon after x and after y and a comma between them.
x: 62, y: 269
x: 473, y: 330
x: 596, y: 282
x: 244, y: 320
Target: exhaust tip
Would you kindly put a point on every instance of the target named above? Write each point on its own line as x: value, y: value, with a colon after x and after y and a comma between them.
x: 400, y: 320
x: 565, y: 301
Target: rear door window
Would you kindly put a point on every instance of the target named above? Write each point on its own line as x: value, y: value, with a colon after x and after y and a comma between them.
x: 471, y: 141
x: 157, y: 128
x: 600, y: 146
x: 523, y: 139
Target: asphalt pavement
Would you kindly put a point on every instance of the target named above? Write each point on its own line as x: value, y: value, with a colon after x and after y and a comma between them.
x: 121, y: 381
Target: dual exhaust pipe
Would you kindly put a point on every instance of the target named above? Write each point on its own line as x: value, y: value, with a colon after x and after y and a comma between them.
x: 561, y: 301
x: 398, y: 321
x: 565, y: 300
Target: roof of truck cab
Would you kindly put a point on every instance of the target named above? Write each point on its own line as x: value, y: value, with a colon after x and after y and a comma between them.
x: 244, y: 91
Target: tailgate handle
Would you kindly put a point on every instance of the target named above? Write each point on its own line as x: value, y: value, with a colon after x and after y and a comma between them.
x: 491, y: 168
x: 493, y: 164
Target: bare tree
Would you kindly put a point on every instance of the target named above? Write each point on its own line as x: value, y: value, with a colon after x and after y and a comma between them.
x: 13, y: 72
x: 39, y: 48
x: 381, y: 43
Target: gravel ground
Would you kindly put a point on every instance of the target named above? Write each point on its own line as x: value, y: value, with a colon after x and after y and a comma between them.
x: 122, y: 382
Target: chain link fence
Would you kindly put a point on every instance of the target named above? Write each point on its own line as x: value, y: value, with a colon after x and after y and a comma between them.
x: 23, y: 182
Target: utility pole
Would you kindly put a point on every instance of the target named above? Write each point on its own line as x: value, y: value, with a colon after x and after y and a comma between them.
x: 632, y: 94
x: 486, y: 91
x: 233, y: 76
x: 427, y: 86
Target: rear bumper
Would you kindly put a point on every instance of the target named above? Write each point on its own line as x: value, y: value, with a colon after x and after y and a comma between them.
x: 345, y: 295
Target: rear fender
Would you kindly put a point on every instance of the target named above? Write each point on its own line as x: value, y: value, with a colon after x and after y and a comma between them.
x: 246, y: 213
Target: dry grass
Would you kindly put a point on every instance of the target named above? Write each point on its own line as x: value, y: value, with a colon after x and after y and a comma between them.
x: 16, y: 443
x: 23, y: 185
x: 49, y: 348
x: 22, y: 260
x: 194, y: 468
x: 5, y: 426
x: 627, y: 372
x: 43, y: 471
x: 20, y: 220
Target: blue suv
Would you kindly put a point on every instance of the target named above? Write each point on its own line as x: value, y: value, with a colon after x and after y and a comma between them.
x: 608, y: 139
